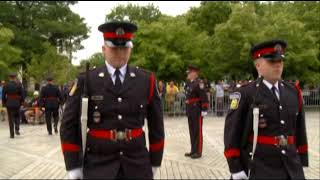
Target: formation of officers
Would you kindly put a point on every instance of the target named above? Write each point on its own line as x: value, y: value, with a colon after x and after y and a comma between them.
x: 13, y: 97
x: 265, y: 133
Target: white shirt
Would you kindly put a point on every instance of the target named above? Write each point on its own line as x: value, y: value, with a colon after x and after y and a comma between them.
x: 111, y: 71
x: 219, y: 90
x: 276, y: 85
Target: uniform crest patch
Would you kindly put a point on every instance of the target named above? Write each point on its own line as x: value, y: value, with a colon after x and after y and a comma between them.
x: 235, y: 99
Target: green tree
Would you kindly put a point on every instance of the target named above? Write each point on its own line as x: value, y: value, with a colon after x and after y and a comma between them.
x: 35, y: 22
x: 135, y: 13
x: 95, y: 60
x: 50, y: 64
x: 208, y: 15
x: 9, y: 55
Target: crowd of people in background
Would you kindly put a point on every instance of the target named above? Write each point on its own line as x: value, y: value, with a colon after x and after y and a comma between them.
x: 172, y: 94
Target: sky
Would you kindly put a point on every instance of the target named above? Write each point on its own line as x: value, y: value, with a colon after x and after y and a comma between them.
x: 94, y: 13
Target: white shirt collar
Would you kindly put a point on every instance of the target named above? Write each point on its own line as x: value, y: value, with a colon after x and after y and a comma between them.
x: 111, y: 69
x: 269, y: 85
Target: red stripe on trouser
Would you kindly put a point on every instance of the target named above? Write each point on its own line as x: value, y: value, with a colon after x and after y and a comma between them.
x: 200, y: 136
x: 232, y: 152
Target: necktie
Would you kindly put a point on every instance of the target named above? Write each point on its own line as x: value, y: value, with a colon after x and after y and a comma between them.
x: 117, y: 84
x: 273, y: 89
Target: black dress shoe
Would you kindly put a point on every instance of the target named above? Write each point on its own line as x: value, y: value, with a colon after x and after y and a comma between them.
x: 56, y: 131
x: 188, y: 154
x: 11, y: 136
x: 195, y: 156
x: 17, y: 133
x: 50, y: 133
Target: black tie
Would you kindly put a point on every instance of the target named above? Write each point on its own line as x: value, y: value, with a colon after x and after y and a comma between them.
x: 274, y: 92
x: 117, y: 84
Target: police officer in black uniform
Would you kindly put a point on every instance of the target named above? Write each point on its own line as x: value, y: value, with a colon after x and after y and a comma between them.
x: 197, y: 105
x: 120, y: 98
x: 12, y: 98
x: 280, y: 132
x: 51, y: 98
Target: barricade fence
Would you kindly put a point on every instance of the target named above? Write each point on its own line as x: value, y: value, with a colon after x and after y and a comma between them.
x: 219, y: 106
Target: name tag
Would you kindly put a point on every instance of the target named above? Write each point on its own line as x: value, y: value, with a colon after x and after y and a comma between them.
x: 97, y: 98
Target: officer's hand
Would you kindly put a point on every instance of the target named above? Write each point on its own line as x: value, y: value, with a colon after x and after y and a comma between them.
x: 154, y: 170
x: 75, y: 173
x: 42, y: 109
x: 204, y: 113
x: 240, y: 175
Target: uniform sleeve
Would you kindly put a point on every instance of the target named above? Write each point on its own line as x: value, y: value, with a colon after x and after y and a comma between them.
x: 233, y: 131
x: 4, y: 98
x: 203, y: 99
x: 22, y: 93
x: 70, y: 129
x: 301, y: 133
x: 155, y: 124
x: 42, y: 98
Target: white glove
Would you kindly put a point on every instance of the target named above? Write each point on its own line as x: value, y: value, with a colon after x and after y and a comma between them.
x: 204, y: 113
x: 240, y: 175
x: 154, y: 170
x: 75, y: 173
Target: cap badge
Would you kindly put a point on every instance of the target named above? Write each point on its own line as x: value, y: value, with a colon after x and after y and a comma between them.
x: 120, y: 32
x: 278, y: 48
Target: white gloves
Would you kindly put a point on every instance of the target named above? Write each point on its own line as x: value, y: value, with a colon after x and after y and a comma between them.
x: 154, y: 170
x: 240, y: 175
x: 75, y: 173
x: 204, y: 113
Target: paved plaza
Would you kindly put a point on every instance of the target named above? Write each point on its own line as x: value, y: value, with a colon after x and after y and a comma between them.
x: 36, y: 155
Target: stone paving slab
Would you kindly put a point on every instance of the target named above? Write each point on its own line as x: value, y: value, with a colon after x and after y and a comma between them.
x: 36, y: 155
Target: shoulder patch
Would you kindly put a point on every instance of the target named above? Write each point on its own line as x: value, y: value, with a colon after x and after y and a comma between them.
x: 235, y: 100
x: 74, y: 87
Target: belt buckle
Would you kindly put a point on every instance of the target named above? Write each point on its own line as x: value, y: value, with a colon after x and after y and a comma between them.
x: 282, y: 141
x: 121, y: 135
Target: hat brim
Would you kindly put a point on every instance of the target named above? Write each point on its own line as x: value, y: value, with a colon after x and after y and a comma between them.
x: 113, y: 44
x: 274, y: 57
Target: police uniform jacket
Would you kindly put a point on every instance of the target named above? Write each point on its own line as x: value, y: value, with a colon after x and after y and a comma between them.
x: 196, y: 97
x: 111, y: 110
x: 50, y: 97
x: 12, y: 95
x: 285, y: 117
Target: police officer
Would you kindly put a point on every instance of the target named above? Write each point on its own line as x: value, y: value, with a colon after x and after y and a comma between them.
x: 12, y: 98
x: 120, y: 98
x: 197, y: 105
x: 276, y: 145
x: 51, y: 98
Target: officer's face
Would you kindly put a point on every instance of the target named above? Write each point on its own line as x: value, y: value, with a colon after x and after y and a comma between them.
x: 192, y: 75
x: 116, y: 56
x: 270, y: 70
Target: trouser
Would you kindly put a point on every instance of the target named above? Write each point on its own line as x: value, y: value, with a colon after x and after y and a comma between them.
x: 14, y: 120
x: 195, y: 121
x: 52, y: 113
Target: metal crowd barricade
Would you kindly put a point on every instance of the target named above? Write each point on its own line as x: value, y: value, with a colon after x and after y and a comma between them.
x: 178, y: 107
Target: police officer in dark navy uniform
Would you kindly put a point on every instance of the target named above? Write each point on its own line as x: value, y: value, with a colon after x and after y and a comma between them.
x: 197, y: 105
x: 51, y: 98
x: 12, y: 98
x: 265, y: 133
x: 120, y: 98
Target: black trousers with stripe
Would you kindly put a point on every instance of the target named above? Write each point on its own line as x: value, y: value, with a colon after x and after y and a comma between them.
x: 195, y: 121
